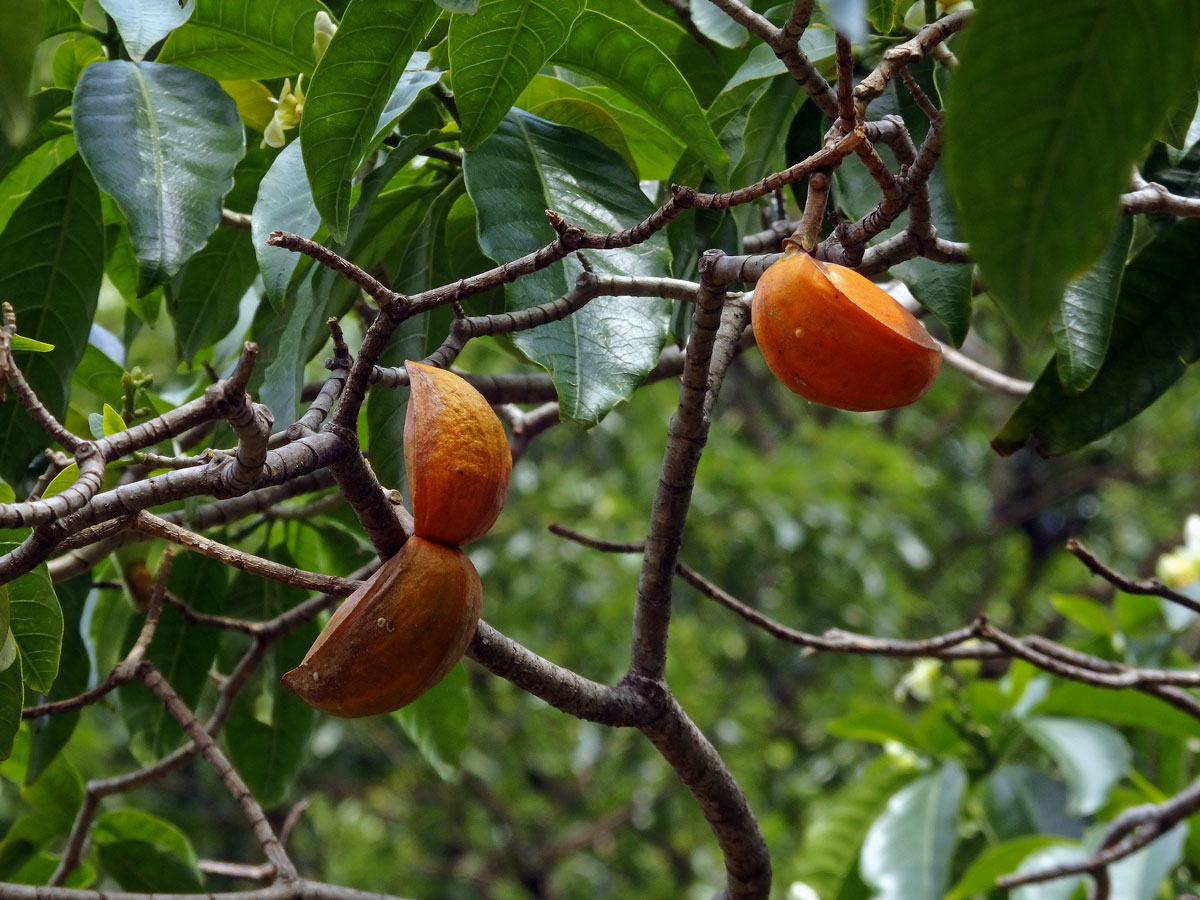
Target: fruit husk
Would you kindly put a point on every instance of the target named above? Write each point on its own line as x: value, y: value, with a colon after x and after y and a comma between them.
x: 395, y: 637
x: 835, y: 337
x: 456, y: 457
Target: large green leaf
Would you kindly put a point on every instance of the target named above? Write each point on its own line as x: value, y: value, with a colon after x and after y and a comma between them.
x: 12, y: 696
x: 437, y: 721
x: 909, y: 848
x: 1019, y: 800
x: 36, y: 623
x: 828, y: 854
x: 284, y: 204
x: 599, y: 355
x: 1082, y: 326
x: 999, y: 859
x: 1155, y: 336
x: 1074, y: 111
x: 204, y: 297
x: 1140, y: 875
x: 1091, y: 755
x: 715, y: 25
x: 765, y: 129
x: 163, y: 141
x: 145, y: 853
x: 623, y: 59
x: 231, y: 39
x: 51, y: 266
x: 1129, y: 708
x: 349, y: 92
x: 182, y: 652
x: 142, y: 25
x: 495, y: 53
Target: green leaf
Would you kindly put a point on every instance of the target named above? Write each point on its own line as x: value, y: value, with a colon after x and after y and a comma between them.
x: 51, y: 266
x: 1085, y: 612
x: 12, y: 695
x: 163, y: 141
x: 57, y: 794
x: 36, y: 623
x: 19, y: 39
x: 436, y: 722
x: 1091, y: 756
x: 1094, y: 87
x: 1083, y: 324
x: 416, y: 79
x: 465, y: 7
x: 284, y: 204
x: 1155, y: 336
x: 1059, y: 888
x: 495, y: 52
x: 828, y: 853
x: 350, y: 90
x: 621, y: 58
x: 181, y: 651
x: 878, y: 724
x: 230, y: 39
x: 145, y: 853
x: 909, y: 848
x: 882, y: 14
x: 765, y: 130
x: 269, y: 749
x: 1140, y: 875
x: 49, y: 734
x: 999, y: 859
x: 599, y: 355
x: 111, y: 421
x: 1127, y: 708
x: 20, y: 342
x: 60, y: 16
x: 142, y: 25
x: 1174, y: 129
x: 204, y: 297
x: 715, y: 25
x: 590, y: 118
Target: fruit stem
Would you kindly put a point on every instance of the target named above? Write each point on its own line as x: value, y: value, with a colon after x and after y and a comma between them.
x: 807, y: 231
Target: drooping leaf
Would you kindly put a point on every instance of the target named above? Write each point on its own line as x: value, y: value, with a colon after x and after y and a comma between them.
x: 495, y: 52
x: 599, y: 355
x: 1093, y: 89
x: 51, y: 266
x: 142, y: 25
x: 623, y: 59
x: 436, y: 722
x: 1082, y: 326
x: 1155, y: 336
x: 350, y: 91
x: 828, y: 854
x: 145, y: 853
x: 163, y: 141
x: 414, y: 81
x: 284, y: 204
x: 203, y: 298
x: 36, y: 623
x: 909, y: 848
x: 1092, y: 757
x: 12, y: 695
x: 229, y: 39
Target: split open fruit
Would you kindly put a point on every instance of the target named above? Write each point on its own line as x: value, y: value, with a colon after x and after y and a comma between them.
x: 408, y: 624
x: 835, y: 337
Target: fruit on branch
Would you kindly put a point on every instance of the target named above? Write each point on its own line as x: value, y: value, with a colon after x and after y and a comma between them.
x: 456, y: 457
x: 833, y: 336
x: 395, y: 637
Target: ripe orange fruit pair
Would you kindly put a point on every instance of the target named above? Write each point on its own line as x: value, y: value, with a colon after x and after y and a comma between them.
x: 835, y: 337
x: 409, y: 623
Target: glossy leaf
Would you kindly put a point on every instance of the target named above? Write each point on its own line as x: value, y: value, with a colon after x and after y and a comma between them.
x: 1126, y: 708
x: 142, y: 25
x: 350, y: 91
x: 526, y: 167
x: 1140, y: 875
x: 495, y: 52
x: 1091, y: 756
x: 204, y: 297
x: 230, y: 39
x: 144, y: 853
x: 715, y: 25
x: 436, y: 722
x: 51, y: 265
x: 1094, y: 87
x: 764, y: 132
x: 882, y: 14
x: 416, y: 79
x: 1155, y: 336
x: 1082, y: 326
x: 623, y: 59
x: 36, y: 623
x: 1059, y: 888
x: 828, y: 854
x: 909, y: 848
x: 589, y: 118
x: 163, y: 141
x: 284, y: 204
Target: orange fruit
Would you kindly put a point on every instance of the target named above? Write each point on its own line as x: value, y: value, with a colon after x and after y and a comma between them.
x: 395, y: 637
x: 456, y: 457
x: 835, y: 337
